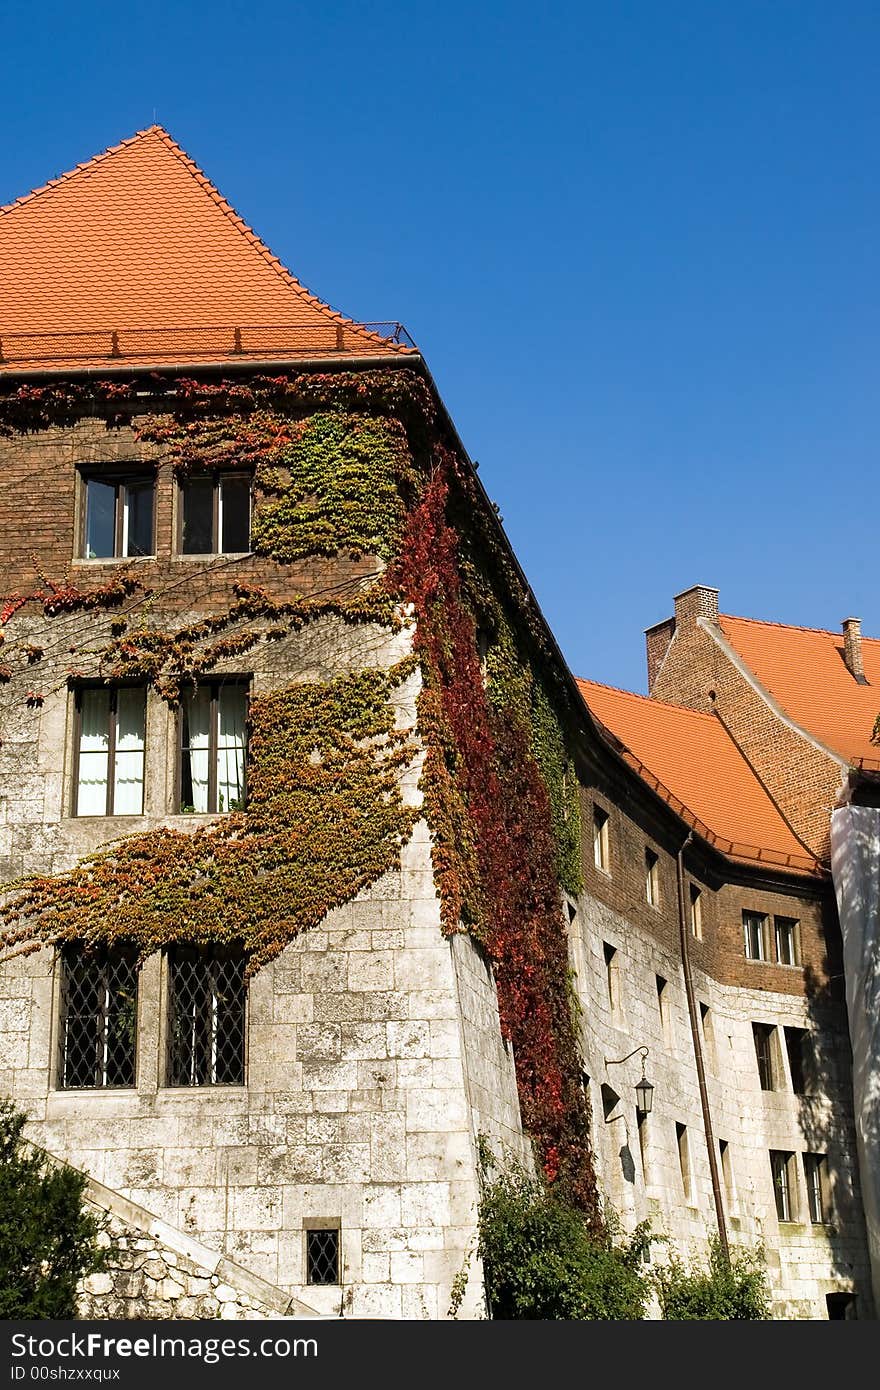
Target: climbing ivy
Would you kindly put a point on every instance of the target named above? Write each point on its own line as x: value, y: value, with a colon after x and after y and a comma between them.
x: 324, y: 818
x: 354, y: 464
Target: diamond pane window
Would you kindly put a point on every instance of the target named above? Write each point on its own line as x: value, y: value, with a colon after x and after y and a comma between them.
x: 98, y: 1018
x: 207, y: 1018
x: 322, y: 1256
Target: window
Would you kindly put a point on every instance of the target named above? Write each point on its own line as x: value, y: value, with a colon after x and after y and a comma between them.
x: 652, y: 878
x: 98, y: 1018
x: 206, y: 1018
x: 840, y: 1306
x: 663, y: 1006
x: 754, y: 931
x: 109, y: 751
x: 696, y: 912
x: 684, y: 1160
x: 709, y: 1035
x: 610, y: 954
x: 600, y: 840
x: 322, y: 1255
x: 784, y: 1184
x: 118, y: 517
x: 212, y: 746
x: 818, y: 1195
x: 763, y: 1034
x: 644, y: 1148
x: 801, y: 1060
x: 215, y: 514
x: 727, y: 1175
x: 786, y: 930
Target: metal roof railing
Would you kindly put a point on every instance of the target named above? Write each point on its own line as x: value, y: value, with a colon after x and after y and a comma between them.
x: 221, y: 341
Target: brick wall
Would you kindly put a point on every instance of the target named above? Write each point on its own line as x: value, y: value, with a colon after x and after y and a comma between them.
x: 803, y: 780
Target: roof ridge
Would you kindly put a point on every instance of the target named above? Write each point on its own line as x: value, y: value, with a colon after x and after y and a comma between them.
x: 791, y: 627
x: 250, y: 235
x: 649, y: 699
x: 51, y: 184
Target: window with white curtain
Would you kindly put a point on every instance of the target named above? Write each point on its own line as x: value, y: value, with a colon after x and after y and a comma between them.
x: 213, y: 746
x: 110, y: 724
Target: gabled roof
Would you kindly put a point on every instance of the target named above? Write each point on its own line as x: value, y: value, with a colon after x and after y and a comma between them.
x: 138, y: 243
x: 804, y: 670
x: 691, y: 760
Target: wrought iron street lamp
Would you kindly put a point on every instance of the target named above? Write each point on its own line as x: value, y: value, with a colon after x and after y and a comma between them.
x: 644, y: 1089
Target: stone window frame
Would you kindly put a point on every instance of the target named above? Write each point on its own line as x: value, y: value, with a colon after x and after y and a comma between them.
x: 121, y: 474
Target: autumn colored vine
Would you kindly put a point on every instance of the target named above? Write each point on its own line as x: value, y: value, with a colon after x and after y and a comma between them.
x: 352, y: 464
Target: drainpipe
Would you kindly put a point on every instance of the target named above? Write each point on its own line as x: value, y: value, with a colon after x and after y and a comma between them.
x: 683, y: 930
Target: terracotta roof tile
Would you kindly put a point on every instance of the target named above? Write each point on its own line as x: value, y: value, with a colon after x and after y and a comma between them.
x: 138, y: 242
x: 699, y: 767
x: 804, y: 670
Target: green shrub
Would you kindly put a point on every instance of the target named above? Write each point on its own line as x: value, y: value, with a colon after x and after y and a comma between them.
x: 47, y: 1241
x: 724, y: 1289
x: 540, y: 1261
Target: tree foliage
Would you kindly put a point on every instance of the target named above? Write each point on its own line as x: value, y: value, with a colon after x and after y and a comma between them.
x: 540, y: 1259
x: 48, y: 1242
x: 723, y: 1289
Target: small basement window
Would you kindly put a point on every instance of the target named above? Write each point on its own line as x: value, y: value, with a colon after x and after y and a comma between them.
x: 322, y: 1255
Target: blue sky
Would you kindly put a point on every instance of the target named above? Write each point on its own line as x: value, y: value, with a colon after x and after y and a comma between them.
x: 637, y: 244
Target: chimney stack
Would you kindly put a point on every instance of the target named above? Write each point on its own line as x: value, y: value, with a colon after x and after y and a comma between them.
x: 852, y: 649
x: 697, y: 602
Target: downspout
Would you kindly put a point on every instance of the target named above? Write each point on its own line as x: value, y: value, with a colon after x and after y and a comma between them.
x: 698, y: 1051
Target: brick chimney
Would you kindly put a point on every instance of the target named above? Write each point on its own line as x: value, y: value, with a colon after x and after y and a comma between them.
x: 698, y: 602
x: 852, y: 649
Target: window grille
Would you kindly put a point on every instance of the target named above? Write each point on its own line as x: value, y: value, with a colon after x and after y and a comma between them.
x: 98, y: 1018
x: 207, y: 1018
x: 322, y: 1257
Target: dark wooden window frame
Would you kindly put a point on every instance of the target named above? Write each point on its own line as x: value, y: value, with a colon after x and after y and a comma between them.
x: 118, y: 476
x: 78, y: 690
x: 215, y: 685
x: 216, y: 476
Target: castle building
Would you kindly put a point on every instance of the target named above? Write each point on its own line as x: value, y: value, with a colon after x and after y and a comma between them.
x: 307, y: 829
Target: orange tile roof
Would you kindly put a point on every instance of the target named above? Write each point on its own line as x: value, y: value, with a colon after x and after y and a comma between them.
x: 804, y: 670
x: 692, y: 761
x: 139, y: 243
